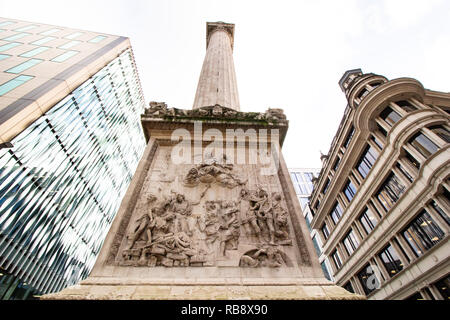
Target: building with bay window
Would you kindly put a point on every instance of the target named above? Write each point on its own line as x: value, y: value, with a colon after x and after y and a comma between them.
x: 71, y: 138
x: 381, y: 203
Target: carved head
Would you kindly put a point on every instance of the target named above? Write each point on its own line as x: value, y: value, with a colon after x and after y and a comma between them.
x: 180, y: 198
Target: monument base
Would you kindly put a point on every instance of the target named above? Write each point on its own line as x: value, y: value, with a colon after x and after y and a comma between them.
x: 102, y: 289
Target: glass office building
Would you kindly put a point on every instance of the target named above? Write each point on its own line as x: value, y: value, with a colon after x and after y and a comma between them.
x: 63, y: 179
x: 302, y: 179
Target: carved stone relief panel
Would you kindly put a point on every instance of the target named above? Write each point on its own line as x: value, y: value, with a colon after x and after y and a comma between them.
x: 207, y: 214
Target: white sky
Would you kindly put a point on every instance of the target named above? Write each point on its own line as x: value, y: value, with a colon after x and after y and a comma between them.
x: 287, y: 54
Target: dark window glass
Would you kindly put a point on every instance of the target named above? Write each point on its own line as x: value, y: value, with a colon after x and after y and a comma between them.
x: 429, y: 293
x: 441, y: 131
x: 390, y: 191
x: 366, y: 161
x: 368, y: 221
x: 405, y: 173
x: 336, y: 164
x: 349, y: 137
x: 349, y: 190
x: 325, y: 231
x: 381, y: 129
x: 350, y: 242
x: 362, y: 94
x: 368, y: 279
x: 440, y: 211
x: 422, y: 233
x: 375, y: 84
x: 377, y: 142
x: 443, y: 287
x: 348, y: 286
x: 336, y: 213
x: 405, y: 105
x: 336, y: 259
x: 402, y: 250
x: 391, y: 260
x: 390, y: 116
x: 423, y: 144
x: 415, y: 296
x: 316, y: 246
x: 412, y: 160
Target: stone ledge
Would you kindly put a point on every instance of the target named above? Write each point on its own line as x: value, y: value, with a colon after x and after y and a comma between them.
x: 203, y: 292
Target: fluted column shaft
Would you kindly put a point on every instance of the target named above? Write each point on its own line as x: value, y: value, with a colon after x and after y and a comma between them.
x: 217, y: 83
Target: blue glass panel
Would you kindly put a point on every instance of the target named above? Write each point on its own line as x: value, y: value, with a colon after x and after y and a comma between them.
x: 24, y: 66
x: 13, y: 83
x: 62, y: 182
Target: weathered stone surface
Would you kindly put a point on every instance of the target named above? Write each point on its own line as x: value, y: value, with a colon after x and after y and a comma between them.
x: 223, y: 222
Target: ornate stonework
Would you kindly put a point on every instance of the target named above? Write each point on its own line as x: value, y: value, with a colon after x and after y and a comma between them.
x: 215, y: 225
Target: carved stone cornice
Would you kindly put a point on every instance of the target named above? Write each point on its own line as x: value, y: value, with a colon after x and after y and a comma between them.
x: 212, y: 27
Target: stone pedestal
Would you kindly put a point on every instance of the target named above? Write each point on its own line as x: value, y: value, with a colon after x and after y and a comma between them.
x: 211, y: 213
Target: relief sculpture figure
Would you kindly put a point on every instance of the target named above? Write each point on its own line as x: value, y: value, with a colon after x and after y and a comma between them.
x: 230, y: 226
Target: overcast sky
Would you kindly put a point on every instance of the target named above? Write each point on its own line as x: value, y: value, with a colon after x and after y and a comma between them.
x: 287, y: 54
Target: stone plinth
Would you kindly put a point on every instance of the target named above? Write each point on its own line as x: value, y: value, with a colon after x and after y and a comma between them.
x: 197, y: 229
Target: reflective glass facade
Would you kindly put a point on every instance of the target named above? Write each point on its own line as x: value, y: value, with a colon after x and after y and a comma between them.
x: 62, y: 182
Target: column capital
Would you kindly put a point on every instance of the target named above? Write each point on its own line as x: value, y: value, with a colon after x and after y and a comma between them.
x: 212, y: 27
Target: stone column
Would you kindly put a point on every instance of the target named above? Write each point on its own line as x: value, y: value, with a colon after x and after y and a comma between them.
x: 217, y: 83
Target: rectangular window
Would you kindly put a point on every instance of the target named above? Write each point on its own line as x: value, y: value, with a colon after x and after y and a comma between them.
x: 404, y: 172
x: 325, y: 187
x: 336, y: 213
x: 390, y: 116
x: 422, y: 233
x: 391, y: 260
x: 405, y: 105
x: 63, y: 57
x: 29, y: 27
x: 73, y: 35
x: 50, y: 31
x: 325, y: 270
x: 336, y: 259
x: 368, y: 279
x: 8, y: 46
x: 348, y: 286
x: 350, y: 242
x: 423, y: 144
x: 43, y: 41
x: 381, y: 130
x: 336, y: 164
x: 368, y: 221
x: 366, y: 161
x: 377, y: 142
x: 13, y: 83
x: 390, y: 191
x: 349, y: 137
x: 441, y: 132
x: 24, y: 66
x: 4, y: 56
x: 440, y: 211
x: 69, y: 44
x: 325, y: 231
x: 412, y: 160
x: 316, y: 246
x: 349, y: 190
x: 97, y: 39
x: 34, y: 52
x: 443, y: 287
x: 16, y: 36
